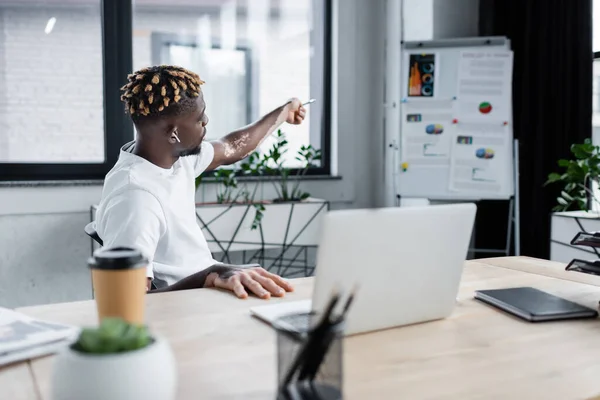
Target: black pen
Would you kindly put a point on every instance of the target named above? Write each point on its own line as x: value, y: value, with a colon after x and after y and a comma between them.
x: 329, y: 337
x: 349, y: 301
x: 315, y: 340
x: 304, y: 352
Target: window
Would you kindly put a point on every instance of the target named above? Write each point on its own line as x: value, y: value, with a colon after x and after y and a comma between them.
x: 46, y: 117
x: 596, y: 73
x: 227, y: 72
x: 253, y: 56
x: 52, y: 75
x: 596, y: 86
x: 62, y: 64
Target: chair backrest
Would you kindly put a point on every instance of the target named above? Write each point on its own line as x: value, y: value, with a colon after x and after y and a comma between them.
x: 91, y: 232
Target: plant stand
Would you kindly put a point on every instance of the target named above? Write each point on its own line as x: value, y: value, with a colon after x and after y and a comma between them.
x: 280, y: 244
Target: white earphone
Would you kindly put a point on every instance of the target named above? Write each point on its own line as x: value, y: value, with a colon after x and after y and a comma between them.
x: 176, y: 137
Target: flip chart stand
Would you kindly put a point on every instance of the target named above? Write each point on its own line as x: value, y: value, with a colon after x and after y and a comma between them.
x: 513, y: 220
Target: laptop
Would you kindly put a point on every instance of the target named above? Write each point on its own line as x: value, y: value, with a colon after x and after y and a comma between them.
x: 407, y: 263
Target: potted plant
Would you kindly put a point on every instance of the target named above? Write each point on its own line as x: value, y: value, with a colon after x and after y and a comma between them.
x: 116, y: 361
x: 271, y: 164
x: 577, y: 204
x: 239, y: 220
x: 577, y: 178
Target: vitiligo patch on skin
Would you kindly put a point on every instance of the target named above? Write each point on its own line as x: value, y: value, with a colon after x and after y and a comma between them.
x: 280, y: 120
x: 236, y: 146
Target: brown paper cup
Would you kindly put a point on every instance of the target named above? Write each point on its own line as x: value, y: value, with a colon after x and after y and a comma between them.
x: 119, y: 281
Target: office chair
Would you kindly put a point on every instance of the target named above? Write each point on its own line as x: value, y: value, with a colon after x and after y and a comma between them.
x: 91, y: 232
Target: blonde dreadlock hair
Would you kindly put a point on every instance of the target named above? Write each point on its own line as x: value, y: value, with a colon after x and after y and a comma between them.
x: 164, y: 90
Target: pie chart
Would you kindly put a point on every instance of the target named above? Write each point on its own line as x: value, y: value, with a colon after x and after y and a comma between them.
x: 434, y: 129
x: 484, y: 153
x: 485, y: 107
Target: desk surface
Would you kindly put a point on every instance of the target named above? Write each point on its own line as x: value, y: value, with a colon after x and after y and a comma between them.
x: 477, y: 353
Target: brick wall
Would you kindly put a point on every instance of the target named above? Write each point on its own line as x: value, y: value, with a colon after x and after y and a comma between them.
x: 51, y: 100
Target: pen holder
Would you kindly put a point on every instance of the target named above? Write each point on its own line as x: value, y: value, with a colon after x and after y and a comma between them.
x: 323, y: 382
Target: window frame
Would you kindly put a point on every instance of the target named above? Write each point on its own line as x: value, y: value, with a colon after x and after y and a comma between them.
x: 159, y: 40
x: 117, y: 34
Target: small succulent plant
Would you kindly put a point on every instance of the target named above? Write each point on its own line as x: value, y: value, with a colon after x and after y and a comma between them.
x: 114, y: 335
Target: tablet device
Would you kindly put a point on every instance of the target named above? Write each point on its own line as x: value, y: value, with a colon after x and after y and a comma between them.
x: 534, y: 305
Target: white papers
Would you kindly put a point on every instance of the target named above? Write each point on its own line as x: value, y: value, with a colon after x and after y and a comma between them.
x: 482, y: 152
x: 23, y: 337
x: 427, y: 132
x: 481, y: 159
x: 456, y: 140
x: 484, y: 86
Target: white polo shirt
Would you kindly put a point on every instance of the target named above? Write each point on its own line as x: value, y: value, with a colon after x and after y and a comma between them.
x: 153, y: 209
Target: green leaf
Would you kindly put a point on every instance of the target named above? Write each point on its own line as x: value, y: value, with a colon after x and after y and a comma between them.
x: 554, y: 177
x: 304, y: 196
x: 563, y: 163
x: 114, y: 335
x: 580, y: 152
x: 561, y: 201
x: 570, y: 186
x: 566, y: 196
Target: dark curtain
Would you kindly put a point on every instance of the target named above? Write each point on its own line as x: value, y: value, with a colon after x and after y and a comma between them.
x: 552, y: 105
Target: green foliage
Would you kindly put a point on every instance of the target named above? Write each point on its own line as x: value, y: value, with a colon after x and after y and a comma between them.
x: 114, y: 335
x: 577, y: 176
x: 259, y: 211
x: 228, y: 180
x: 269, y: 164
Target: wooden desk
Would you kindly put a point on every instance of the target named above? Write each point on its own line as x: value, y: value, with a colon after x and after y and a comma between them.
x: 477, y: 353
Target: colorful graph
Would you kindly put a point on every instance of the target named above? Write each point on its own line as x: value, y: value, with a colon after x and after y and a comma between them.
x: 421, y: 75
x: 485, y: 107
x: 413, y: 117
x: 464, y: 140
x: 484, y: 153
x: 434, y: 129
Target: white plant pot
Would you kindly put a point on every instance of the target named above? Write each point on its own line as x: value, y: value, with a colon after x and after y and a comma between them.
x: 148, y: 373
x: 564, y: 227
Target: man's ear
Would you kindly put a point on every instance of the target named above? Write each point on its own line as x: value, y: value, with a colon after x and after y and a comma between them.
x: 173, y: 134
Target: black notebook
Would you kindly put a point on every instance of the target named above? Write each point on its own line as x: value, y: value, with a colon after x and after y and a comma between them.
x: 534, y: 305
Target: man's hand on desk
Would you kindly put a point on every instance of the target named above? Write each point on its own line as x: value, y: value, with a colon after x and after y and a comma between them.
x: 239, y: 279
x: 252, y: 278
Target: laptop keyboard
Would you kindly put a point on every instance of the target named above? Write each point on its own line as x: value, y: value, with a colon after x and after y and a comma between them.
x: 300, y: 322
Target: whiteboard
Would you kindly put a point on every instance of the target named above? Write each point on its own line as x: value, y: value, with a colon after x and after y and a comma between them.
x: 433, y: 182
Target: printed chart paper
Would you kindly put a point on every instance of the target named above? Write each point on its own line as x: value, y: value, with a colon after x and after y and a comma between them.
x: 421, y: 75
x: 481, y: 159
x: 484, y: 86
x: 426, y: 132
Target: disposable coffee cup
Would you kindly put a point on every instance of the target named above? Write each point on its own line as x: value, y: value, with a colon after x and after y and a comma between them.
x: 119, y: 282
